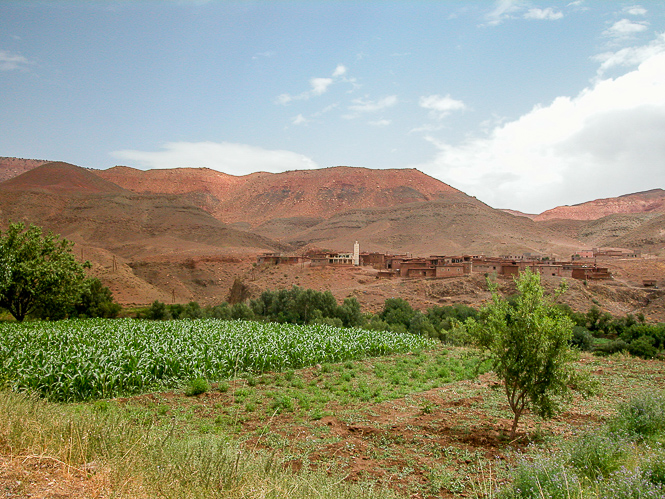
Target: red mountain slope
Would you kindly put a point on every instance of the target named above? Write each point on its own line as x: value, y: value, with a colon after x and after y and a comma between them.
x: 260, y: 197
x: 60, y: 178
x: 13, y: 167
x: 652, y: 201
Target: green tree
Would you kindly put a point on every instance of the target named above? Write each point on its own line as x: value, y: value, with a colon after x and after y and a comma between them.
x: 528, y: 343
x: 397, y: 311
x: 38, y: 271
x: 95, y: 300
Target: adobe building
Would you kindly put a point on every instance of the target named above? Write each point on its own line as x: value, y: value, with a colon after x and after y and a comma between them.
x: 278, y: 259
x: 547, y: 269
x: 451, y: 270
x: 591, y: 273
x: 376, y: 260
x: 331, y: 258
x: 582, y: 254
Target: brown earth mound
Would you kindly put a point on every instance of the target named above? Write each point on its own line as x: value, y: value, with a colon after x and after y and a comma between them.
x: 60, y: 178
x: 13, y: 167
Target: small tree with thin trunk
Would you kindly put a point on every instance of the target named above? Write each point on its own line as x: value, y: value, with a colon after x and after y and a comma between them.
x: 528, y: 343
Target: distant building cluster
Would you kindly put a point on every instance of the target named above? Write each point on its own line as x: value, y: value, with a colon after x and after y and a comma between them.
x: 582, y: 264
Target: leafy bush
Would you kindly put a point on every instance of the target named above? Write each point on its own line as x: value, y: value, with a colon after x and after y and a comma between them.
x: 158, y: 311
x: 397, y: 311
x: 610, y: 347
x: 644, y: 347
x: 582, y: 338
x: 305, y: 306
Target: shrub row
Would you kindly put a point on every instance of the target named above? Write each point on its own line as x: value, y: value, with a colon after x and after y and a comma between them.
x: 306, y: 306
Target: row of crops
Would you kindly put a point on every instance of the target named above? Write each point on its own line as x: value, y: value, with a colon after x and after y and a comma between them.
x: 100, y: 358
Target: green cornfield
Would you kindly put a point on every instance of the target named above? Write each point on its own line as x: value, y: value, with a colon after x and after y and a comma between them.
x: 78, y: 360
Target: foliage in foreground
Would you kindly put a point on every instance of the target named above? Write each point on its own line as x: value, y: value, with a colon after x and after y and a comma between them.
x: 624, y: 459
x: 144, y: 461
x: 528, y: 342
x: 97, y: 358
x: 37, y: 271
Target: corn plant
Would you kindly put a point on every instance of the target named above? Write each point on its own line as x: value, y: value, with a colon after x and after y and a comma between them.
x: 100, y: 358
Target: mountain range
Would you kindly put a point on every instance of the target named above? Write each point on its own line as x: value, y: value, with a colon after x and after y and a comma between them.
x: 143, y: 217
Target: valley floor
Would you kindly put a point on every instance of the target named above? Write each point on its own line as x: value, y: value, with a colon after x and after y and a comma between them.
x: 396, y: 422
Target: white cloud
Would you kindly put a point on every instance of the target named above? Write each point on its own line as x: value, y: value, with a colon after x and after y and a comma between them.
x: 504, y: 9
x: 635, y: 10
x: 548, y: 14
x: 630, y: 56
x: 625, y: 27
x: 606, y: 141
x: 10, y: 62
x: 429, y: 128
x: 299, y: 120
x: 340, y: 70
x: 318, y: 86
x: 370, y: 106
x: 234, y: 159
x: 441, y: 107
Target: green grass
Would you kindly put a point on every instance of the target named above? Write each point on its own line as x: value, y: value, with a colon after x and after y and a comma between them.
x: 421, y: 420
x: 141, y: 461
x: 311, y: 393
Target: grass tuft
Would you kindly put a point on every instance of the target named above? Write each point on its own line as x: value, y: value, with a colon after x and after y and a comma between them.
x: 197, y: 386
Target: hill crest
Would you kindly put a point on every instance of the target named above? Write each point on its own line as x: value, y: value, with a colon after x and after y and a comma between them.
x: 61, y: 178
x: 651, y: 201
x: 256, y: 198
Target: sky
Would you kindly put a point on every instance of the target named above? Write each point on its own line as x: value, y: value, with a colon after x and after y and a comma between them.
x: 523, y: 104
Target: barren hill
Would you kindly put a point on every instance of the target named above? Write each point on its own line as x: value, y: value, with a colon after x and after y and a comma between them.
x: 452, y: 224
x: 61, y: 178
x: 13, y: 167
x: 639, y: 202
x: 387, y: 210
x: 94, y: 212
x: 257, y: 198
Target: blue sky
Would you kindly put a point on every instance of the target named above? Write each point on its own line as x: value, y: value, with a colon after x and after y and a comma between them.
x: 524, y: 104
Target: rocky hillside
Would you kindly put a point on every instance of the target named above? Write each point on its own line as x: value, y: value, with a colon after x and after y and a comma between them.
x: 652, y: 201
x: 13, y: 167
x: 185, y: 234
x: 386, y: 210
x: 254, y: 199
